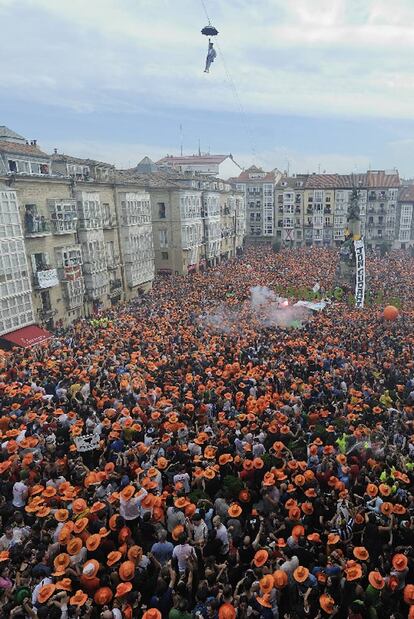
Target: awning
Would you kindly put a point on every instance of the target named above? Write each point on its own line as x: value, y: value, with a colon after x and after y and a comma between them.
x: 28, y: 336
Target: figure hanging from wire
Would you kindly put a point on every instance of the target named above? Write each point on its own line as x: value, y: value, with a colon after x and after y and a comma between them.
x: 210, y: 31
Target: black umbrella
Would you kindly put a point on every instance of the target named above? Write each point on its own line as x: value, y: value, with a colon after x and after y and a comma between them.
x: 209, y: 31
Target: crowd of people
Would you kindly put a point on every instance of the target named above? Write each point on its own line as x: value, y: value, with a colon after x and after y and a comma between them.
x: 157, y: 464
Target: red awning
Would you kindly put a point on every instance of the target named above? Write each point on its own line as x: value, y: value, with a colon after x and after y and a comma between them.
x: 28, y: 336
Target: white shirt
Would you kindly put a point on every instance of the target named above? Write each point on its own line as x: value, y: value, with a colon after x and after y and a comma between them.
x: 223, y: 536
x: 182, y: 552
x: 20, y: 492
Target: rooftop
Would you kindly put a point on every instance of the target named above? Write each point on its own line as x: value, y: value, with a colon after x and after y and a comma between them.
x: 22, y: 149
x: 370, y: 180
x: 245, y: 176
x: 194, y: 159
x: 406, y: 194
x: 7, y: 135
x: 61, y: 157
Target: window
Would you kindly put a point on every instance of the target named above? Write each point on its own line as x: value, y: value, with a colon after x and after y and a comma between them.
x: 163, y: 238
x: 161, y: 210
x: 12, y: 165
x: 164, y: 255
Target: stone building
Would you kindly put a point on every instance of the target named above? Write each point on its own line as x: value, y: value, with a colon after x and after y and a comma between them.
x: 258, y: 188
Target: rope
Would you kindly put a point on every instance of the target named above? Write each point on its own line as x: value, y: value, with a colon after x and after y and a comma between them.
x: 233, y: 87
x: 205, y: 11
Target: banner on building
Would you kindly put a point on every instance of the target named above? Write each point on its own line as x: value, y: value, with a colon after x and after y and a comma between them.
x: 87, y: 442
x: 359, y: 248
x: 46, y: 279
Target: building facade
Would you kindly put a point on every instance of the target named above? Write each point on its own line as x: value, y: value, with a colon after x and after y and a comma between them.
x: 312, y: 209
x: 259, y: 189
x: 404, y: 237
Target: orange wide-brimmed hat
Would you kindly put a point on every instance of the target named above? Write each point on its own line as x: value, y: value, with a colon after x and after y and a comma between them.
x: 260, y: 557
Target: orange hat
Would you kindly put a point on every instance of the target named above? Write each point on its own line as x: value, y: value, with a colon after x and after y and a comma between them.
x: 64, y: 585
x: 266, y: 583
x: 162, y: 463
x: 113, y: 557
x: 384, y: 489
x: 79, y: 598
x: 294, y: 513
x: 181, y: 502
x: 234, y: 510
x: 353, y: 572
x: 152, y: 613
x: 333, y: 538
x: 4, y: 555
x: 376, y: 580
x: 49, y: 492
x: 307, y: 508
x: 409, y: 596
x: 90, y: 569
x: 126, y: 570
x: 177, y: 532
x: 43, y: 511
x: 61, y: 562
x: 103, y: 596
x: 45, y: 592
x: 314, y: 537
x: 61, y: 515
x: 134, y: 553
x: 399, y: 562
x: 113, y: 522
x: 260, y: 557
x: 386, y: 508
x: 264, y: 600
x: 79, y: 506
x: 122, y: 589
x: 280, y: 579
x: 93, y: 542
x: 97, y: 506
x: 80, y: 525
x: 399, y: 509
x: 227, y: 611
x: 301, y: 573
x: 74, y: 546
x: 298, y: 531
x: 327, y: 603
x: 361, y: 553
x: 128, y: 492
x: 372, y: 490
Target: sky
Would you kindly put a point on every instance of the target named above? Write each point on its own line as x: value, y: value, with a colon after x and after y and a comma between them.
x: 304, y: 85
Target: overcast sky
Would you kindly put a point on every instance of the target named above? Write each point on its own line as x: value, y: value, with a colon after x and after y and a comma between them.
x: 321, y: 84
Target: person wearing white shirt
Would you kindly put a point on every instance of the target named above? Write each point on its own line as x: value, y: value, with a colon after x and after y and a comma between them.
x: 222, y: 534
x: 20, y: 494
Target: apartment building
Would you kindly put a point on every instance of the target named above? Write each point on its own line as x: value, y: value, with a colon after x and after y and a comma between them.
x: 258, y: 188
x: 197, y: 221
x: 16, y: 306
x: 313, y: 209
x: 404, y: 234
x: 289, y: 210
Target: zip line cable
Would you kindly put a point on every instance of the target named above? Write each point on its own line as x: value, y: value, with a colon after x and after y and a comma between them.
x: 234, y: 89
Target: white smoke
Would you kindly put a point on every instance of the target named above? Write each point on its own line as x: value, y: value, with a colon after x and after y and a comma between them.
x: 275, y: 311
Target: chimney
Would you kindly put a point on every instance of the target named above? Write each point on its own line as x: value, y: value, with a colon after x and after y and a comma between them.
x: 34, y: 142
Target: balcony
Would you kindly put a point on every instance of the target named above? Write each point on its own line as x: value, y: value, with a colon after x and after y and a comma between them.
x: 36, y: 226
x: 113, y: 262
x: 46, y: 313
x: 46, y: 278
x: 109, y: 222
x: 64, y: 226
x: 115, y: 287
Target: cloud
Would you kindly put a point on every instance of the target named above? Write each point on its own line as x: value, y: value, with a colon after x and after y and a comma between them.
x: 325, y: 57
